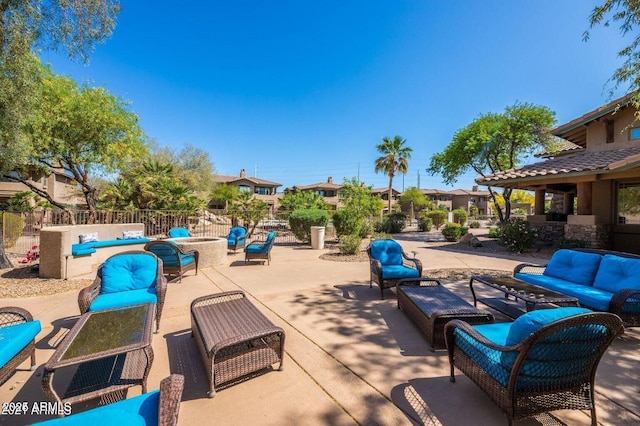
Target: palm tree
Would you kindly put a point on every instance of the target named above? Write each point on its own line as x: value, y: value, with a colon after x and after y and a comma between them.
x: 394, y: 159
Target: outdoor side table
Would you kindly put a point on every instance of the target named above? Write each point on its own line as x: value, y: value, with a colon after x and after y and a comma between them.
x: 112, y: 352
x: 235, y: 339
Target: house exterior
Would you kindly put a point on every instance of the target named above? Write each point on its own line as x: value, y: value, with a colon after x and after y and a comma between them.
x: 439, y: 197
x: 384, y: 196
x: 263, y: 190
x: 60, y: 186
x: 599, y: 173
x: 464, y: 199
x: 328, y: 190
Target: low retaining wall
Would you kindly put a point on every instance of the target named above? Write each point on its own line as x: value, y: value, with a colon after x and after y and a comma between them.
x: 56, y: 260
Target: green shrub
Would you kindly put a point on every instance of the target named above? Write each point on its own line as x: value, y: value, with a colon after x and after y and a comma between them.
x: 346, y: 223
x: 516, y: 235
x: 392, y: 223
x: 13, y: 226
x: 425, y: 224
x: 460, y: 216
x: 302, y: 220
x: 494, y: 233
x: 381, y: 236
x: 570, y: 243
x: 349, y: 244
x: 366, y: 229
x: 452, y: 231
x: 438, y: 217
x: 474, y: 224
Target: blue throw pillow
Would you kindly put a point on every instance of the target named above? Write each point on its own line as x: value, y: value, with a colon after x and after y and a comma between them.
x: 128, y: 272
x: 616, y: 273
x: 575, y: 266
x: 388, y: 252
x: 532, y: 321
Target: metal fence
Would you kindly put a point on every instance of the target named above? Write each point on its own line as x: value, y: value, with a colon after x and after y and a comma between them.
x: 21, y: 231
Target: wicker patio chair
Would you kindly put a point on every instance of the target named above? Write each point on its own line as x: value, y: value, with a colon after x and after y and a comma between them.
x: 17, y: 340
x: 236, y: 238
x: 546, y: 360
x: 175, y: 261
x: 388, y: 263
x: 160, y: 407
x: 260, y: 250
x: 126, y: 279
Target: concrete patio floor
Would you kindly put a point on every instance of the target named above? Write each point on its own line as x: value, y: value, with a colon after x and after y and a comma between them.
x: 351, y: 358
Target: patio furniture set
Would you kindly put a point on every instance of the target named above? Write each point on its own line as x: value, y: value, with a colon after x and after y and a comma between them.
x: 108, y: 350
x: 546, y: 358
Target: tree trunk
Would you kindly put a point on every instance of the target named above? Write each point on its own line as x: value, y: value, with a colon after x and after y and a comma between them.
x: 496, y: 205
x: 390, y: 192
x: 506, y: 194
x: 4, y: 260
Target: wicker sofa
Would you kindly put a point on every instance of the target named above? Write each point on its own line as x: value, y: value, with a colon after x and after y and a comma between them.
x: 546, y: 360
x: 18, y: 331
x: 160, y: 407
x: 601, y: 280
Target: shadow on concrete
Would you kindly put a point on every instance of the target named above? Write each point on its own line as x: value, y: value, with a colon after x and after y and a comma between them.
x: 184, y: 358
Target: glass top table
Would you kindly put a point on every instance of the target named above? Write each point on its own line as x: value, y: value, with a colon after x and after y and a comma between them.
x: 112, y: 350
x: 533, y: 296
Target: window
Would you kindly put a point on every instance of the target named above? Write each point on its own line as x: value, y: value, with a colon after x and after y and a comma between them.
x: 320, y: 192
x: 262, y: 190
x: 628, y: 203
x: 634, y: 133
x: 244, y: 188
x: 44, y: 182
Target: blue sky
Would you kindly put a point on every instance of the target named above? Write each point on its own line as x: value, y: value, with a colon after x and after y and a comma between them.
x: 296, y: 91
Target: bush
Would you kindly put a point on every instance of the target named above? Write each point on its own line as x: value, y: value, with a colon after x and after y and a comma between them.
x: 516, y: 235
x: 392, y: 223
x: 13, y: 226
x: 381, y: 236
x: 302, y: 220
x: 425, y: 224
x: 438, y: 217
x: 494, y: 233
x: 349, y: 244
x: 452, y: 231
x: 570, y: 243
x: 366, y: 229
x: 346, y: 223
x: 460, y: 216
x: 474, y: 224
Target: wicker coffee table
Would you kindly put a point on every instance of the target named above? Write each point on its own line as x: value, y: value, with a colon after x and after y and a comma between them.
x: 534, y: 297
x: 235, y: 339
x: 112, y: 352
x: 430, y: 306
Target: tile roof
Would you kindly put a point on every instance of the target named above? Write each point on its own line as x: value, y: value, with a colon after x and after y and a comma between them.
x: 579, y: 163
x: 254, y: 180
x: 562, y: 147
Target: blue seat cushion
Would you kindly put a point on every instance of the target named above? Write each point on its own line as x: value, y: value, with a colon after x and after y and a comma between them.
x: 257, y: 248
x: 575, y: 266
x: 124, y: 298
x: 532, y: 321
x: 494, y: 362
x: 388, y: 252
x: 392, y: 272
x: 179, y: 233
x: 129, y: 272
x: 90, y: 247
x: 185, y: 259
x: 617, y: 273
x: 139, y: 410
x: 14, y: 338
x: 588, y: 296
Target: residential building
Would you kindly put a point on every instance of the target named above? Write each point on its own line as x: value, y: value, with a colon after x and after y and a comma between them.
x: 439, y: 197
x: 384, y: 195
x: 59, y: 185
x: 464, y: 199
x: 263, y: 190
x: 601, y: 172
x: 328, y: 190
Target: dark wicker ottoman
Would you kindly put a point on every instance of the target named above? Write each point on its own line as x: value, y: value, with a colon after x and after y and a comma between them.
x: 236, y: 341
x: 430, y: 306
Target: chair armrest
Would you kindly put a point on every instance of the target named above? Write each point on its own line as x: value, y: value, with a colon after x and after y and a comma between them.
x: 161, y: 283
x: 416, y: 262
x: 88, y: 294
x: 451, y: 327
x: 10, y: 315
x: 529, y: 268
x: 375, y: 263
x: 620, y: 298
x: 170, y: 395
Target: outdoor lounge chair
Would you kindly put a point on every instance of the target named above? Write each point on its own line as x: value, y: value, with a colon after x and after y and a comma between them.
x: 260, y: 250
x: 235, y: 239
x: 388, y: 263
x: 160, y: 407
x: 178, y: 233
x: 545, y: 360
x: 175, y: 261
x: 18, y: 331
x: 126, y: 279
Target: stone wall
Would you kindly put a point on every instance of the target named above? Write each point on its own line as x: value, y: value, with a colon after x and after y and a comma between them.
x: 549, y: 232
x: 596, y: 236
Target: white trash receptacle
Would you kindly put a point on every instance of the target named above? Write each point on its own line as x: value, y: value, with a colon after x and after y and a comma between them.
x: 317, y: 237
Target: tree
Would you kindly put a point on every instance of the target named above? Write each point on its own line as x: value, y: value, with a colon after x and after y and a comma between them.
x: 627, y: 14
x: 83, y: 130
x: 302, y: 200
x: 414, y: 199
x: 74, y: 27
x: 494, y: 143
x: 250, y: 210
x: 394, y: 159
x: 224, y: 194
